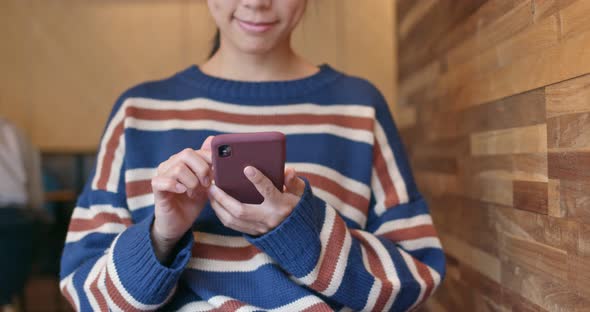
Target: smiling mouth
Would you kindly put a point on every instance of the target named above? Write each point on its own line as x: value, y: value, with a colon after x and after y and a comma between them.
x: 252, y: 27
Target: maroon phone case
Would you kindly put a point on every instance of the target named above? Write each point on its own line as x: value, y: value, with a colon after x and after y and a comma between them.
x: 263, y: 150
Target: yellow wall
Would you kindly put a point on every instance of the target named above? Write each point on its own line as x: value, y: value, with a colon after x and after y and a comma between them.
x: 66, y: 61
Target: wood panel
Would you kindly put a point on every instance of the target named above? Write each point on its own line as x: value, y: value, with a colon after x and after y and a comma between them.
x: 500, y: 146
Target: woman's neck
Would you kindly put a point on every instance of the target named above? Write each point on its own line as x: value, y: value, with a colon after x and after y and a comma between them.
x: 282, y: 63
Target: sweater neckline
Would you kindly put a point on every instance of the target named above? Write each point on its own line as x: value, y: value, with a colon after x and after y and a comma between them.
x: 276, y: 89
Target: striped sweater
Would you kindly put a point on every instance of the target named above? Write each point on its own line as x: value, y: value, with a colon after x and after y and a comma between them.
x: 360, y: 239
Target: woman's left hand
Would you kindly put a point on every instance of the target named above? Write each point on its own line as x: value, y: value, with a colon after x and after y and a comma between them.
x: 258, y: 219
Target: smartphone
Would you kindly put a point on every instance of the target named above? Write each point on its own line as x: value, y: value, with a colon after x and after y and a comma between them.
x: 233, y: 152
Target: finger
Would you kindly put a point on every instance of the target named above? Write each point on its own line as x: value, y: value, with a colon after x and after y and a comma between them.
x: 232, y: 205
x: 264, y: 186
x: 294, y: 184
x: 207, y: 143
x: 184, y: 175
x: 201, y: 167
x: 289, y: 173
x: 227, y: 218
x: 198, y: 161
x: 205, y: 154
x: 166, y: 184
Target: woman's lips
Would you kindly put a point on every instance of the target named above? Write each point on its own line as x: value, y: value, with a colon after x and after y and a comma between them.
x: 255, y: 27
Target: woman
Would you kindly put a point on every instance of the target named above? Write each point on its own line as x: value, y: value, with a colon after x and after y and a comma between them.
x: 349, y: 232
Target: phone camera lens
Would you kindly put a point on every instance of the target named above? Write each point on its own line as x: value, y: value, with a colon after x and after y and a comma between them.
x: 224, y: 151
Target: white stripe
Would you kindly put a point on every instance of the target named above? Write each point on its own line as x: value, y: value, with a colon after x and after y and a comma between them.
x: 221, y: 240
x: 200, y: 306
x: 89, y: 213
x: 93, y: 276
x: 392, y: 168
x: 378, y: 192
x: 299, y: 304
x: 324, y: 237
x: 362, y: 136
x: 387, y: 264
x: 107, y: 228
x: 340, y: 269
x: 345, y: 209
x: 117, y: 118
x: 68, y: 284
x: 249, y: 265
x: 113, y: 178
x: 409, y: 260
x: 140, y: 174
x: 375, y: 288
x: 119, y: 287
x: 289, y: 109
x: 373, y: 295
x: 217, y: 301
x: 400, y: 224
x: 349, y: 184
x: 419, y: 243
x: 137, y: 202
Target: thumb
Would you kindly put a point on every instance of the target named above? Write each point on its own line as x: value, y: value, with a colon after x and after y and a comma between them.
x: 293, y: 184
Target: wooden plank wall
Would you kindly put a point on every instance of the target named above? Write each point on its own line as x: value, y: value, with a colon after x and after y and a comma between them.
x: 494, y: 107
x: 64, y: 62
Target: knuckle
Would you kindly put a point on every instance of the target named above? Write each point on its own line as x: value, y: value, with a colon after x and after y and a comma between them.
x: 160, y: 169
x: 268, y: 189
x: 177, y: 170
x: 202, y: 171
x: 240, y: 212
x: 259, y: 178
x: 186, y: 152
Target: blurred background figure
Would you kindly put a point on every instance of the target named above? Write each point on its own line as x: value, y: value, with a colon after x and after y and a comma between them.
x: 21, y: 209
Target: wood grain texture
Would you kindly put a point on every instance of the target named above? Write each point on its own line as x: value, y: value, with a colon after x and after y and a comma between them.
x: 569, y: 165
x: 531, y: 139
x: 569, y: 97
x: 532, y: 196
x: 501, y: 150
x: 569, y: 132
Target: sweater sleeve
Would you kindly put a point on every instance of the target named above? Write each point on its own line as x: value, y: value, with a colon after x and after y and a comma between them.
x: 108, y: 262
x: 392, y: 263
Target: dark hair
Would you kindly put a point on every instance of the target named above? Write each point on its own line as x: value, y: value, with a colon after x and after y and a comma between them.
x: 216, y: 43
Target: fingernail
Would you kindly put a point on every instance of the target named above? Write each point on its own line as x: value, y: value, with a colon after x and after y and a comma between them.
x: 212, y: 189
x: 206, y: 181
x: 250, y: 172
x: 180, y: 187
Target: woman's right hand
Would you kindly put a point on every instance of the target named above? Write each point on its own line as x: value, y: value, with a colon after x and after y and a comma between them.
x: 180, y: 193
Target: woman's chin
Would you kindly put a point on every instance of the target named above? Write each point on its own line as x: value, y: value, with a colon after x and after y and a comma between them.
x: 255, y: 46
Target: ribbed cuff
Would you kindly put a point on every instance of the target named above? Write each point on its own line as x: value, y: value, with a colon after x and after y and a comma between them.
x: 295, y: 243
x: 140, y: 272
